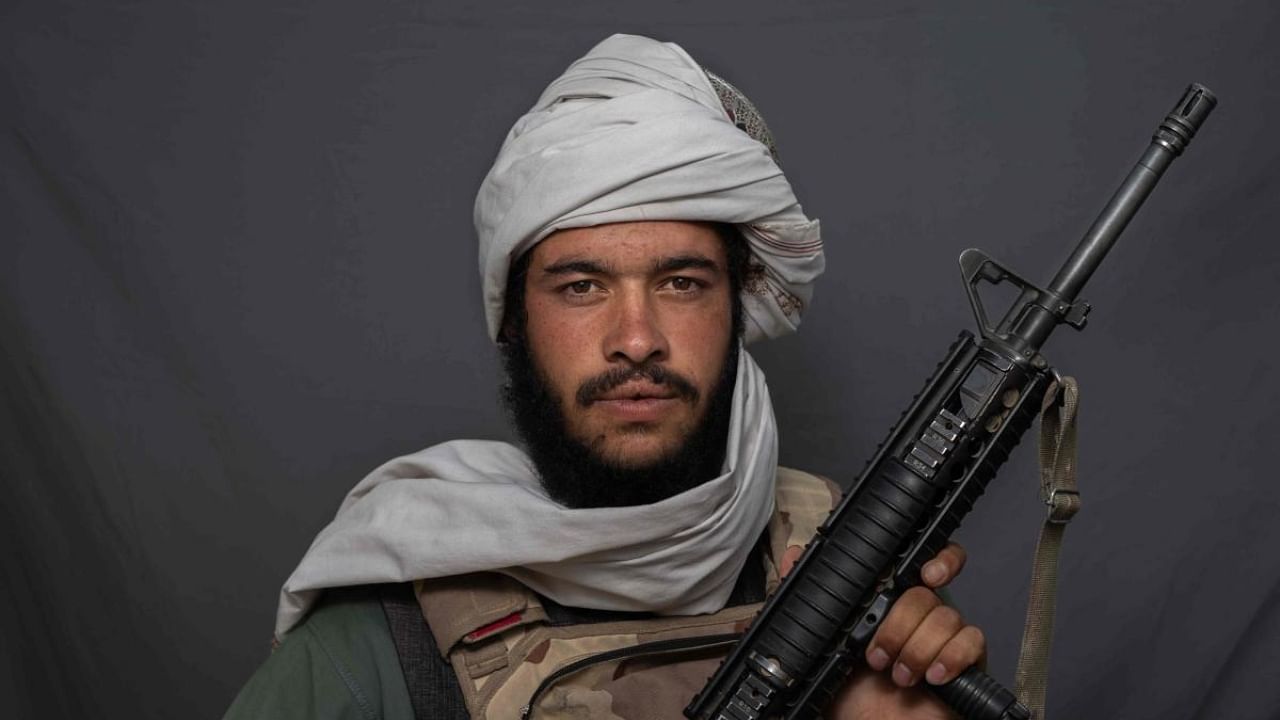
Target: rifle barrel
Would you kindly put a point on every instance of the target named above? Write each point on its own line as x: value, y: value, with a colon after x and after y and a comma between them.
x: 1168, y: 142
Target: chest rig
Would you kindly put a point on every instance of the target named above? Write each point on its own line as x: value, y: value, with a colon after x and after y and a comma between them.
x: 518, y: 655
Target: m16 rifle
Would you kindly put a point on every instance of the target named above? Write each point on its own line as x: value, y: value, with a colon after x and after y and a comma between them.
x: 923, y: 479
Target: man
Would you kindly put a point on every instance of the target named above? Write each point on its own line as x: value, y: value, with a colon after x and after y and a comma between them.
x: 634, y: 231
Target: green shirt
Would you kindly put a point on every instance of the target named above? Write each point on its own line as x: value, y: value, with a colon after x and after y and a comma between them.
x: 339, y: 663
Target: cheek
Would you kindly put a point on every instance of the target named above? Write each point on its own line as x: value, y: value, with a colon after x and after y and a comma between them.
x: 557, y: 345
x: 706, y: 339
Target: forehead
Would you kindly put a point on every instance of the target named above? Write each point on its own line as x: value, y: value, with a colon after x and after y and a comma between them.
x: 630, y: 245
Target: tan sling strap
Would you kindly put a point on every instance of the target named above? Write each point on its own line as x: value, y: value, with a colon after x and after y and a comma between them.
x: 1059, y: 493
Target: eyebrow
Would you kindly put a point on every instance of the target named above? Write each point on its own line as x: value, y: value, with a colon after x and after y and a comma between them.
x: 570, y: 267
x: 684, y: 262
x: 661, y: 265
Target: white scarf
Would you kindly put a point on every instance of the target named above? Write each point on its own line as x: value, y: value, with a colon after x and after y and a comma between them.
x: 473, y: 505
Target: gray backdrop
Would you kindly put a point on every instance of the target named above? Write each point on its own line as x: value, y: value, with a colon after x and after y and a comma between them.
x: 238, y: 273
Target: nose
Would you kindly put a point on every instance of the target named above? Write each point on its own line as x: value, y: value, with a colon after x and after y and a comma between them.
x: 636, y: 335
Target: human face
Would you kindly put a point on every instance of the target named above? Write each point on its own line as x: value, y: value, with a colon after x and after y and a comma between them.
x: 630, y: 325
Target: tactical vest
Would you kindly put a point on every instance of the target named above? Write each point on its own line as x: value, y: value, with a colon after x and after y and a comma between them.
x: 513, y: 662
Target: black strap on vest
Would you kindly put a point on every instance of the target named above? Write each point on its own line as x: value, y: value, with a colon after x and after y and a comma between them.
x: 433, y: 686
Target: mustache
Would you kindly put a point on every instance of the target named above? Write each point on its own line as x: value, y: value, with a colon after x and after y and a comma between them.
x: 591, y: 390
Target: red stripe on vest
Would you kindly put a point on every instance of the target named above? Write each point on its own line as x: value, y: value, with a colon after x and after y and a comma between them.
x: 494, y: 627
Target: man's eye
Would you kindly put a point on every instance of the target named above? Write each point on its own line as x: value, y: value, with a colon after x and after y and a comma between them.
x: 683, y: 284
x: 581, y: 287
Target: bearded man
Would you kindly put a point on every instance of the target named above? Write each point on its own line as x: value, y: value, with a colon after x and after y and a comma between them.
x: 635, y: 232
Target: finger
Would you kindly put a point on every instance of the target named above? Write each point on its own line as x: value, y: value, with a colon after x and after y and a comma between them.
x: 965, y: 649
x: 789, y: 558
x: 944, y: 567
x: 921, y: 650
x: 903, y: 619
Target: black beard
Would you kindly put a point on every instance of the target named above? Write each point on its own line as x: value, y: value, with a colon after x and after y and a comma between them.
x: 575, y: 475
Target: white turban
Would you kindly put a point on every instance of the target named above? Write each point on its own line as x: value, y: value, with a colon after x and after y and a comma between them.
x: 635, y: 130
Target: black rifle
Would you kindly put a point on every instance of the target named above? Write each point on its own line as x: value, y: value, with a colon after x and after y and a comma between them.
x: 922, y: 481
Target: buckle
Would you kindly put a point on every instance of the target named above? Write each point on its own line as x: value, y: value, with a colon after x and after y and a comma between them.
x: 1061, y: 512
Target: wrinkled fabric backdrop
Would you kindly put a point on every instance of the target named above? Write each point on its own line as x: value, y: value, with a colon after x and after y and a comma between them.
x: 238, y: 272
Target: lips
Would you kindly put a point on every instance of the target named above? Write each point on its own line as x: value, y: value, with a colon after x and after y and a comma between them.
x: 637, y: 402
x: 637, y: 392
x: 649, y: 381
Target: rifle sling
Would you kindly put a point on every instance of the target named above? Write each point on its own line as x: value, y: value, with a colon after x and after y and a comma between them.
x: 1059, y: 492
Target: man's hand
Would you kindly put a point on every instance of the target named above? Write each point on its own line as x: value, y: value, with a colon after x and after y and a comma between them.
x: 920, y: 641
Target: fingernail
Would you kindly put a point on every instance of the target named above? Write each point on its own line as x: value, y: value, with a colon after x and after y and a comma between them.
x: 902, y: 675
x: 932, y: 572
x: 936, y: 672
x: 878, y: 659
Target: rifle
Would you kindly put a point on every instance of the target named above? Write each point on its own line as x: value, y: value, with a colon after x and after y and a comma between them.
x: 923, y: 479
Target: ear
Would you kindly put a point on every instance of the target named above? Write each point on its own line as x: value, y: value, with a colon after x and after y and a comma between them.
x: 513, y: 314
x: 507, y: 331
x: 513, y: 299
